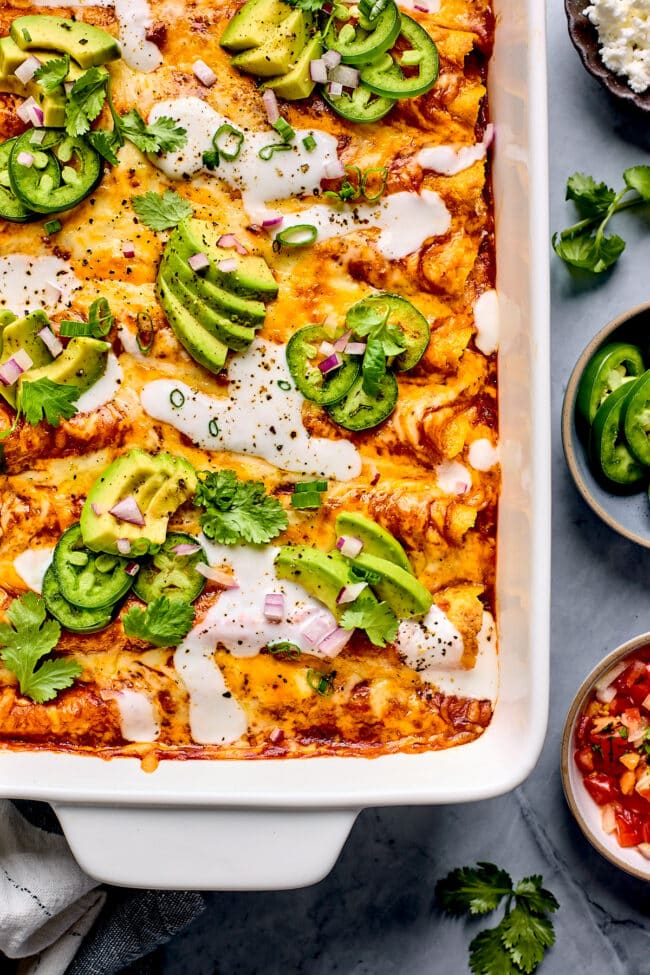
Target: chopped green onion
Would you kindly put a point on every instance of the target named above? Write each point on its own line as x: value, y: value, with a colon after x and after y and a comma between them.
x: 311, y: 486
x: 298, y: 236
x: 382, y: 172
x: 322, y: 683
x: 284, y: 648
x: 52, y: 227
x: 284, y: 385
x: 309, y: 142
x: 223, y: 139
x: 306, y: 499
x: 146, y: 332
x: 100, y: 318
x: 210, y: 159
x: 176, y: 398
x: 266, y: 152
x: 284, y: 130
x: 72, y: 329
x: 213, y: 428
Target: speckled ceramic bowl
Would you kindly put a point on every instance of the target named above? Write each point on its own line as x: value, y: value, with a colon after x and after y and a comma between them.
x: 585, y: 39
x: 585, y: 811
x: 627, y: 513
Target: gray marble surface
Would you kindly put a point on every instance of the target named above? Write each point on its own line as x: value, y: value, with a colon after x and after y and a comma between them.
x: 374, y: 914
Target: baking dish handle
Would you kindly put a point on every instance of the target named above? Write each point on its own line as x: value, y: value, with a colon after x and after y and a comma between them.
x: 205, y: 849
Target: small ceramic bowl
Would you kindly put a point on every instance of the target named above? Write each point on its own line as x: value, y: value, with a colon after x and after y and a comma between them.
x: 585, y: 39
x: 585, y: 811
x: 628, y: 514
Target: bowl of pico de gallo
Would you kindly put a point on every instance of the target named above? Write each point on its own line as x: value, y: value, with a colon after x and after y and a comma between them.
x: 606, y: 757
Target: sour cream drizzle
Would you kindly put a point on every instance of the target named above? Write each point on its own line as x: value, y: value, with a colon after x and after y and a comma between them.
x: 257, y: 417
x: 139, y: 719
x: 25, y: 283
x: 482, y: 455
x: 486, y: 320
x: 105, y: 389
x: 32, y: 564
x: 453, y: 478
x: 450, y: 160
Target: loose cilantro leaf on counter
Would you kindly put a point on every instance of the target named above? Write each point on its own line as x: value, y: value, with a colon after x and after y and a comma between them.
x: 164, y: 623
x: 31, y: 637
x: 238, y: 511
x: 378, y: 620
x: 53, y: 73
x: 585, y: 245
x: 518, y: 943
x: 161, y: 212
x: 163, y: 135
x: 85, y: 101
x: 46, y: 399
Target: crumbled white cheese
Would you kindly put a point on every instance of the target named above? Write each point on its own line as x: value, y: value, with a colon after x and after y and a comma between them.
x: 624, y: 34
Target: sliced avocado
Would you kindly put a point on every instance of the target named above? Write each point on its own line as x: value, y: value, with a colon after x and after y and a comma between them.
x: 6, y: 318
x: 232, y: 306
x: 12, y: 56
x: 88, y: 45
x: 204, y: 348
x: 252, y: 278
x: 236, y: 337
x: 51, y: 103
x: 159, y: 483
x: 22, y: 333
x: 252, y: 22
x: 322, y: 574
x: 297, y: 83
x: 405, y: 595
x: 280, y: 51
x: 81, y: 364
x: 376, y: 540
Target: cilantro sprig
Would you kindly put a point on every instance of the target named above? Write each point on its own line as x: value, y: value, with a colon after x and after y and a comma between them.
x: 164, y: 623
x: 161, y: 212
x: 53, y: 73
x: 520, y: 940
x: 383, y: 341
x: 45, y: 399
x: 237, y: 511
x: 85, y: 101
x: 25, y: 640
x: 377, y: 619
x: 586, y: 245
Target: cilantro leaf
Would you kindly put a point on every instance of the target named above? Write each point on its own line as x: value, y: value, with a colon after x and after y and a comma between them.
x: 44, y: 398
x: 85, y: 101
x: 161, y: 212
x: 526, y: 936
x: 309, y: 6
x: 106, y: 144
x: 475, y: 889
x: 53, y: 73
x: 163, y: 135
x: 589, y: 252
x: 238, y: 511
x: 378, y: 620
x: 638, y: 178
x: 373, y: 367
x: 591, y: 198
x: 164, y: 623
x: 489, y: 956
x: 537, y: 898
x: 31, y: 637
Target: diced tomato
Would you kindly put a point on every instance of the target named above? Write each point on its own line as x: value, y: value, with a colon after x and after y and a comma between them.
x: 630, y: 676
x: 634, y: 723
x: 582, y: 729
x: 639, y: 692
x: 608, y: 749
x: 620, y: 704
x: 646, y: 830
x: 585, y: 759
x: 629, y: 828
x: 602, y: 788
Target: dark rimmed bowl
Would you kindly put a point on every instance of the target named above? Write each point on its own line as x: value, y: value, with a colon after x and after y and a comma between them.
x: 585, y: 39
x: 585, y: 811
x: 627, y: 513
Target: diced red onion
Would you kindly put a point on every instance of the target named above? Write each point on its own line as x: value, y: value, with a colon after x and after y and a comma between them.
x: 349, y: 593
x: 355, y: 348
x: 132, y: 569
x: 30, y: 113
x: 127, y: 510
x: 334, y: 169
x: 26, y: 71
x: 204, y: 73
x: 421, y: 7
x: 199, y: 262
x: 340, y: 344
x: 330, y: 364
x: 334, y: 641
x: 123, y: 546
x: 230, y: 264
x: 96, y: 509
x: 216, y: 575
x: 54, y: 346
x: 326, y: 348
x: 128, y: 248
x: 25, y: 159
x: 271, y: 106
x: 276, y: 735
x: 318, y: 71
x: 344, y: 75
x: 23, y: 360
x: 608, y: 820
x: 331, y: 58
x: 273, y: 219
x: 349, y: 545
x: 645, y: 703
x: 607, y: 694
x: 19, y: 363
x: 610, y: 676
x: 274, y: 606
x: 334, y: 88
x: 315, y: 629
x: 52, y: 293
x: 375, y: 479
x: 229, y: 241
x: 186, y: 548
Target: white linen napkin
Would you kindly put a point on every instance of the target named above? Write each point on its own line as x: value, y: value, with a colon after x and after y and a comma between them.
x: 47, y: 903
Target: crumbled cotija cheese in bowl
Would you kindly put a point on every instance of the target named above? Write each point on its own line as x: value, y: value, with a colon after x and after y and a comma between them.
x: 624, y: 35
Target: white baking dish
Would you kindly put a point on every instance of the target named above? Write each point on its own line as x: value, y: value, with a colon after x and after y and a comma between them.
x: 272, y: 824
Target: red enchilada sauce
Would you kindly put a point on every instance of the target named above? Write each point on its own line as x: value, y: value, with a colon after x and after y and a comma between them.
x: 613, y: 750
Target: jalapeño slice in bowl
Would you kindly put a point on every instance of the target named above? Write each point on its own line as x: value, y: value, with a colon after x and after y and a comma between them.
x: 358, y: 411
x: 71, y: 617
x: 172, y: 573
x: 409, y: 69
x: 367, y: 39
x: 81, y: 170
x: 609, y: 451
x: 404, y: 316
x: 360, y: 105
x: 636, y: 418
x: 10, y: 206
x: 303, y: 356
x: 612, y: 366
x: 89, y: 580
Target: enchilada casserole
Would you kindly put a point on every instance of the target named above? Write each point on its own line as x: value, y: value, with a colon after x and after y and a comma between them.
x: 248, y: 371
